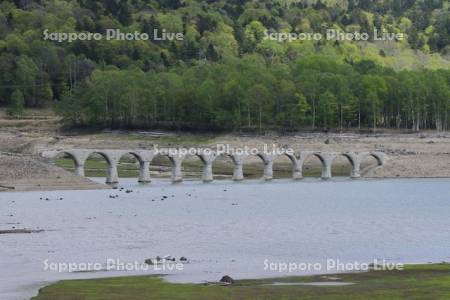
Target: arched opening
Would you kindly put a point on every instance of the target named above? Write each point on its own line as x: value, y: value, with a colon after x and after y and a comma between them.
x: 129, y: 165
x: 96, y: 165
x: 223, y: 167
x: 282, y: 167
x: 342, y: 166
x: 254, y: 167
x: 192, y: 167
x: 66, y: 161
x: 161, y: 167
x: 313, y: 166
x: 370, y: 162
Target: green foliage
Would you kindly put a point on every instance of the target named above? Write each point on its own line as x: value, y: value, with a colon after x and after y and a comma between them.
x: 224, y: 74
x: 249, y: 94
x: 16, y: 107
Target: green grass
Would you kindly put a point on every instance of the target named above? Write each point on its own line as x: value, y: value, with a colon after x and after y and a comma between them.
x: 415, y: 282
x: 96, y: 167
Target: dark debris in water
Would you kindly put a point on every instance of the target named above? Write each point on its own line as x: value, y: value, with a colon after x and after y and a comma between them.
x: 20, y: 230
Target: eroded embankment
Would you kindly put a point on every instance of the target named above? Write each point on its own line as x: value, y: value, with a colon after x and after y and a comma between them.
x: 26, y: 173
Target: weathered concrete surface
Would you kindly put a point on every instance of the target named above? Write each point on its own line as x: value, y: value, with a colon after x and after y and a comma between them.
x: 207, y: 158
x: 145, y: 157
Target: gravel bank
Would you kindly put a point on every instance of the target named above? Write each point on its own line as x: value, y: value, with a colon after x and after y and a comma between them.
x: 25, y: 173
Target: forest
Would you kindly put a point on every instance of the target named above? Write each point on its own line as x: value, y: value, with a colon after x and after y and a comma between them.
x: 224, y: 75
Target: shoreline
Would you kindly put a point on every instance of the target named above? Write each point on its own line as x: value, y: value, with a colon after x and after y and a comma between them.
x: 98, y: 186
x: 164, y: 220
x: 20, y: 173
x: 418, y: 155
x: 348, y: 284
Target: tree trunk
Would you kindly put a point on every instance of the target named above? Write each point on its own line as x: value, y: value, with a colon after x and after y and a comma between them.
x: 314, y: 114
x: 359, y: 117
x: 260, y: 120
x: 239, y: 116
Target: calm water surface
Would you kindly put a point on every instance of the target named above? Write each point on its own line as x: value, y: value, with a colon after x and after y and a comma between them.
x: 222, y: 228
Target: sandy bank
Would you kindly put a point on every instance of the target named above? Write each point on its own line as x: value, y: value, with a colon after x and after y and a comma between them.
x: 20, y: 173
x: 410, y: 155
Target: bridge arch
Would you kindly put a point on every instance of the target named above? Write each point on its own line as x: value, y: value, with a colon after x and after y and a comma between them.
x: 145, y: 157
x: 326, y: 160
x: 354, y: 161
x: 144, y: 164
x: 279, y: 165
x: 176, y: 161
x: 379, y: 157
x: 307, y: 156
x: 238, y: 163
x: 267, y: 160
x: 349, y: 157
x: 193, y: 166
x: 366, y: 157
x: 105, y: 155
x: 111, y: 162
x: 136, y: 155
x: 161, y: 164
x: 223, y: 166
x: 78, y: 162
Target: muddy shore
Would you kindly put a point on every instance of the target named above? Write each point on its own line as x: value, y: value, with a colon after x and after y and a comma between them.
x: 410, y: 155
x: 22, y: 173
x: 413, y: 155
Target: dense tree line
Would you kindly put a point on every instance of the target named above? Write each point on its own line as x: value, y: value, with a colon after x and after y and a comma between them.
x: 224, y: 74
x: 246, y: 93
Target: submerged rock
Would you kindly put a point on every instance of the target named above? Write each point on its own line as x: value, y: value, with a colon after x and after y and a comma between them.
x: 227, y: 279
x: 169, y: 258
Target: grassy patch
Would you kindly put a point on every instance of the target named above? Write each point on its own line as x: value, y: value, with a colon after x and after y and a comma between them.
x: 415, y: 282
x: 160, y: 167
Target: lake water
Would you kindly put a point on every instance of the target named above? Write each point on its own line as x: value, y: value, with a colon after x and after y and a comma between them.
x: 223, y: 228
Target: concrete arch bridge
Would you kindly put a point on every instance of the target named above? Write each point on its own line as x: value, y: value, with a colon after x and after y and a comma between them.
x: 145, y: 157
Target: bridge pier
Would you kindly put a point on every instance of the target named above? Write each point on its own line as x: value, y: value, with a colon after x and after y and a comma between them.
x: 327, y: 161
x: 177, y: 161
x: 356, y: 171
x: 268, y: 165
x: 238, y: 160
x: 355, y: 160
x: 113, y: 176
x: 79, y: 157
x: 297, y: 173
x: 145, y: 158
x: 297, y: 165
x: 207, y: 175
x: 207, y: 159
x: 79, y: 169
x: 359, y: 157
x: 112, y: 157
x: 268, y: 170
x: 144, y: 172
x: 325, y: 158
x: 238, y: 172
